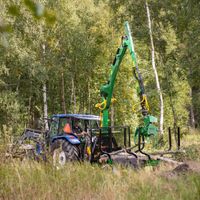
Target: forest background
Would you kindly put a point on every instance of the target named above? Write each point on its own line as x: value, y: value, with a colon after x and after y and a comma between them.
x: 63, y: 49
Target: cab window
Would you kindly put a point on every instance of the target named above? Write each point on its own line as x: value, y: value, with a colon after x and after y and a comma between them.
x: 63, y: 121
x: 54, y: 126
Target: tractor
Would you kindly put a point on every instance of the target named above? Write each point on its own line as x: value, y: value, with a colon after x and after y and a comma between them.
x: 68, y: 137
x: 72, y: 137
x: 66, y: 140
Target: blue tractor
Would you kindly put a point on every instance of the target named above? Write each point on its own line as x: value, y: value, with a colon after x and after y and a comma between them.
x: 69, y: 137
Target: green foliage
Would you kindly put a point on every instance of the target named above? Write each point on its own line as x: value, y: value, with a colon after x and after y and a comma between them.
x: 168, y: 41
x: 13, y: 114
x: 74, y: 43
x: 190, y: 144
x: 14, y: 10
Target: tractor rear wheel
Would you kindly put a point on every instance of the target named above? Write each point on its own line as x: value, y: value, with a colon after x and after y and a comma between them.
x: 63, y: 152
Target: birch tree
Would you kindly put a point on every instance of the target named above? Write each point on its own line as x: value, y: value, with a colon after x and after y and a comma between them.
x: 155, y: 69
x: 45, y: 106
x: 63, y: 92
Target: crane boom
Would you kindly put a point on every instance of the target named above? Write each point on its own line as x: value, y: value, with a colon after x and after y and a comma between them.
x: 106, y: 90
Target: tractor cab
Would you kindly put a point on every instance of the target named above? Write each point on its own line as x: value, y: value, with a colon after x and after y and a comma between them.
x: 69, y: 136
x: 76, y: 123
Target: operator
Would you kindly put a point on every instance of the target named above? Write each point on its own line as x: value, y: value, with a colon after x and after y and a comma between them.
x: 77, y: 129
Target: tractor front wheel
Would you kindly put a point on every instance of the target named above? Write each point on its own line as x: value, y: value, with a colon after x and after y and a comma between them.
x: 63, y: 152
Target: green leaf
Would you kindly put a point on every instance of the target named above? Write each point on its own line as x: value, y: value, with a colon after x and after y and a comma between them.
x: 30, y: 4
x: 14, y: 10
x: 5, y: 28
x: 50, y: 16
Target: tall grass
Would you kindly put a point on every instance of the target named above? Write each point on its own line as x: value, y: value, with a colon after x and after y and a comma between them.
x: 191, y: 144
x: 30, y: 180
x: 35, y: 181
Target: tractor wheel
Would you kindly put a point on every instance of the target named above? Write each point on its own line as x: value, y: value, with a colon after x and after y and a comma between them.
x: 63, y: 152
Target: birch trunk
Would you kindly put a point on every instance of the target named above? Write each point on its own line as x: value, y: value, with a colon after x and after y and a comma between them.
x: 89, y: 98
x: 30, y: 113
x: 45, y: 106
x: 192, y: 118
x: 73, y: 96
x: 63, y: 93
x: 155, y: 70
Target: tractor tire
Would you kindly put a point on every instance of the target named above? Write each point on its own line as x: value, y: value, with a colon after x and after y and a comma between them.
x: 63, y: 152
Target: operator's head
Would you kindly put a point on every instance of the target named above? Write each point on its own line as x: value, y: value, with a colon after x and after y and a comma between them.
x: 76, y: 122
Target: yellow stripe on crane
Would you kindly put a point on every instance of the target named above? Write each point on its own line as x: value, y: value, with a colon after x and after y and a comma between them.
x: 144, y: 99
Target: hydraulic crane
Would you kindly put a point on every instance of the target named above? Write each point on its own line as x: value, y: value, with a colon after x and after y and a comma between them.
x: 106, y: 90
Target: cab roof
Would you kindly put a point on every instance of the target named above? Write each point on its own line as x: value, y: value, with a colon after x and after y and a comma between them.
x: 78, y: 116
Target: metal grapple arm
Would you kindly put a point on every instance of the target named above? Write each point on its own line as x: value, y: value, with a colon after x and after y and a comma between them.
x: 106, y: 91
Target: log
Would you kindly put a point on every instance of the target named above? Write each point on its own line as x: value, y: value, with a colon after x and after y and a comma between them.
x: 167, y: 152
x: 168, y: 160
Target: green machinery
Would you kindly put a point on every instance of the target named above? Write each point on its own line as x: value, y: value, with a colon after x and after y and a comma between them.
x: 148, y: 128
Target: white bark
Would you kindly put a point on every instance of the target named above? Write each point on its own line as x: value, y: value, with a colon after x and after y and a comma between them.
x: 45, y: 107
x: 155, y: 70
x: 89, y: 98
x: 63, y: 92
x: 30, y: 114
x: 192, y: 118
x: 73, y: 96
x: 46, y: 126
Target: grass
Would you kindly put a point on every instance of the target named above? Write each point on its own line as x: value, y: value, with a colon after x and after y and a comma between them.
x: 32, y: 180
x: 191, y: 144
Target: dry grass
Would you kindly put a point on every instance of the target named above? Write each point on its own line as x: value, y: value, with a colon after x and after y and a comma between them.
x: 191, y: 144
x: 32, y: 180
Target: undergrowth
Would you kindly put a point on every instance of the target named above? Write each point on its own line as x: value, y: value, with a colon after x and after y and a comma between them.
x: 191, y: 146
x: 32, y: 180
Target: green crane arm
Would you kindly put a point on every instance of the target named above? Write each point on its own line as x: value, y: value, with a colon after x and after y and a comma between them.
x: 106, y: 90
